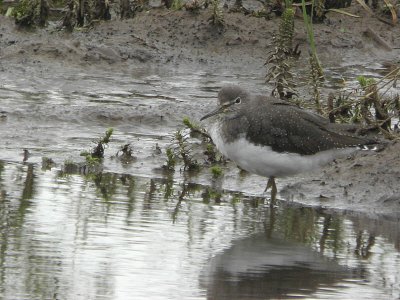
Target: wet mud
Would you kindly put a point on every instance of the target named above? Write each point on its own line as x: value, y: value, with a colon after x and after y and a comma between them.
x: 131, y: 229
x: 142, y: 76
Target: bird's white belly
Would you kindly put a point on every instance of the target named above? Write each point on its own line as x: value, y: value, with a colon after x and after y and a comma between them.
x: 263, y: 161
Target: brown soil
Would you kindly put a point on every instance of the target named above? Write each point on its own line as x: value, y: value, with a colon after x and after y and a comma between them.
x: 180, y: 38
x: 367, y: 182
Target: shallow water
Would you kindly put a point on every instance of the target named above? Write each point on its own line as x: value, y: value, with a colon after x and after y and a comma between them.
x: 61, y: 114
x: 115, y: 236
x: 132, y: 232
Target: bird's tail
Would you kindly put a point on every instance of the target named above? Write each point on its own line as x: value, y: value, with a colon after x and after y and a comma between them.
x: 373, y: 145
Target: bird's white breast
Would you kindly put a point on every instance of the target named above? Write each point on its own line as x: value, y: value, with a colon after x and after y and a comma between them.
x: 263, y: 161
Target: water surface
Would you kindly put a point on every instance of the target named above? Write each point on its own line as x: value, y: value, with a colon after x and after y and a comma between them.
x: 132, y: 232
x: 115, y: 236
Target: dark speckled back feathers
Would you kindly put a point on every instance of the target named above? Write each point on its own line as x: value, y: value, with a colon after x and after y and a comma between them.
x: 282, y: 126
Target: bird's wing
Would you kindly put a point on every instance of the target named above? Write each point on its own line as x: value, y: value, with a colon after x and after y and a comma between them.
x: 288, y: 128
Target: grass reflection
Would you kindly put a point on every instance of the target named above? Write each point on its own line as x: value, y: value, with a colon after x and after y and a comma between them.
x: 306, y: 225
x: 51, y: 222
x: 300, y: 224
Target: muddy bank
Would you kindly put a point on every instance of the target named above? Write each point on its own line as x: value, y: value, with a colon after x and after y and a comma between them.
x: 180, y: 40
x: 367, y: 182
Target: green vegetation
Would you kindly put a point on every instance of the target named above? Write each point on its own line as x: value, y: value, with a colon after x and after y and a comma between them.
x: 368, y: 104
x: 316, y: 74
x: 93, y: 158
x: 195, y: 130
x: 365, y: 82
x: 97, y: 153
x: 186, y: 121
x: 286, y: 31
x: 211, y: 153
x: 317, y: 9
x: 189, y: 148
x: 280, y: 60
x: 211, y: 194
x: 171, y: 160
x: 70, y: 167
x: 85, y: 12
x: 177, y: 4
x: 372, y: 100
x: 31, y: 13
x: 184, y: 151
x: 216, y: 171
x: 217, y: 17
x: 47, y: 163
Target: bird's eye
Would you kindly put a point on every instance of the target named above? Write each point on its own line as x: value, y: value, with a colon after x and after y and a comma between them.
x: 238, y: 100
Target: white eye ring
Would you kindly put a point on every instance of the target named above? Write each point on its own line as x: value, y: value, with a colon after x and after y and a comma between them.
x: 238, y: 100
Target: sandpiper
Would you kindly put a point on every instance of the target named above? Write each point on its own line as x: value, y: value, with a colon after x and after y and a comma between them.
x: 274, y: 138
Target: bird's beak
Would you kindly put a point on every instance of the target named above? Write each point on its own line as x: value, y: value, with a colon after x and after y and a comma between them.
x: 219, y: 110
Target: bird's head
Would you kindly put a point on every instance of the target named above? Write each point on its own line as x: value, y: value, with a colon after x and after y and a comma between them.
x: 230, y: 101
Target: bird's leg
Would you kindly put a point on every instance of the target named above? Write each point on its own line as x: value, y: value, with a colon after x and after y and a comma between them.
x: 271, y: 184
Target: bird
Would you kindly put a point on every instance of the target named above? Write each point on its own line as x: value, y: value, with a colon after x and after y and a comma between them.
x: 273, y: 138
